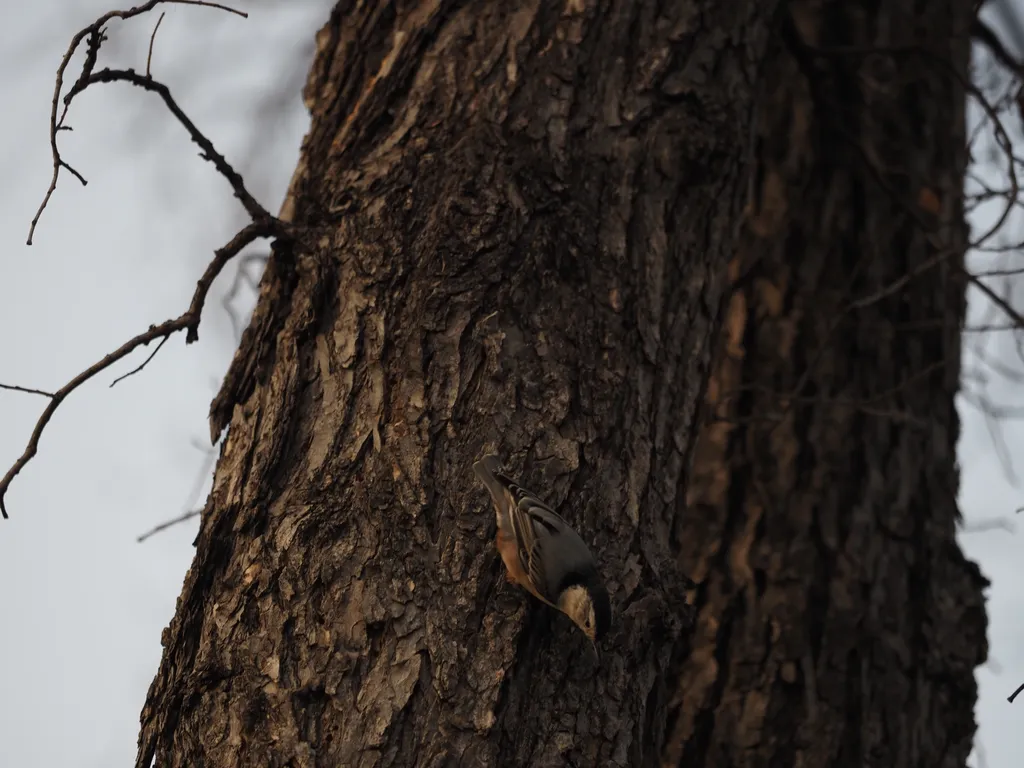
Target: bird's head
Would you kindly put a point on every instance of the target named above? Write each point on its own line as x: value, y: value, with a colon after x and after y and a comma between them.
x: 586, y: 603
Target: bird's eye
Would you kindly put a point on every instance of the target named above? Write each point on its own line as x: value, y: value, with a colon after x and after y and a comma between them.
x: 587, y: 622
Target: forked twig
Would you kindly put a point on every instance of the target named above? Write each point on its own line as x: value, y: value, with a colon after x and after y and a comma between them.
x: 95, y: 36
x: 188, y: 321
x: 262, y: 225
x: 253, y: 208
x: 141, y: 365
x: 241, y: 275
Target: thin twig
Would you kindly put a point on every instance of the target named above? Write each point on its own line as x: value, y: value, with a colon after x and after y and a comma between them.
x: 142, y: 365
x: 193, y: 497
x: 253, y: 208
x: 897, y: 285
x: 1016, y: 693
x: 241, y: 275
x: 95, y: 36
x: 149, y: 56
x: 188, y: 321
x: 998, y: 300
x: 984, y: 34
x: 995, y: 433
x: 1001, y: 272
x: 167, y: 524
x: 991, y: 328
x: 210, y: 453
x: 262, y: 224
x: 27, y: 390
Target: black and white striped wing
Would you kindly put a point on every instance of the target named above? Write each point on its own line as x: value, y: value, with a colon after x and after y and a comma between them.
x: 535, y: 526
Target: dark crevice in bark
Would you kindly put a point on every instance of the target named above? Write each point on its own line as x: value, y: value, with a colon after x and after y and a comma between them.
x: 851, y: 751
x: 699, y: 746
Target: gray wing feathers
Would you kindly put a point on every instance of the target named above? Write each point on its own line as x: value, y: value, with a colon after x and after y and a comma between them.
x: 489, y: 471
x: 548, y: 546
x: 530, y: 538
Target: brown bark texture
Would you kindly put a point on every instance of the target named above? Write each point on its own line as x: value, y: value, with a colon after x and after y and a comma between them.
x: 839, y: 623
x: 520, y: 223
x: 522, y: 215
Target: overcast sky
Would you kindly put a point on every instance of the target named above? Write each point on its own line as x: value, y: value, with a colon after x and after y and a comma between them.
x: 83, y: 604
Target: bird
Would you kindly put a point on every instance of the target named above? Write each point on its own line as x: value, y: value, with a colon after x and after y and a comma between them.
x: 544, y: 555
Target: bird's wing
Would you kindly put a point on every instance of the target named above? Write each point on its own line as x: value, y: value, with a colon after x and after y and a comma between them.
x: 533, y: 523
x: 489, y: 471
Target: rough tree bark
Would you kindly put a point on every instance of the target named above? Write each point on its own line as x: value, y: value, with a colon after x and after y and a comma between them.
x: 524, y: 216
x: 838, y: 620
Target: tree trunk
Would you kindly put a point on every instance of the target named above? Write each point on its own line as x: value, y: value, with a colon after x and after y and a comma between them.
x: 839, y: 623
x: 520, y: 218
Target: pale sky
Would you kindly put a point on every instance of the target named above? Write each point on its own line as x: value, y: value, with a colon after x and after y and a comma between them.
x: 82, y: 603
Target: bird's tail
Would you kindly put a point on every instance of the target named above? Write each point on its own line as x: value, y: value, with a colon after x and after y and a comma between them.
x: 487, y: 470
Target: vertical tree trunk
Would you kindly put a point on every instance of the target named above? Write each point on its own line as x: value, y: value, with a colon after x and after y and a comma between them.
x: 839, y: 623
x: 519, y: 219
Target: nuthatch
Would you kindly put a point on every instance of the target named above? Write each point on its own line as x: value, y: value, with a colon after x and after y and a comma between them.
x: 544, y: 555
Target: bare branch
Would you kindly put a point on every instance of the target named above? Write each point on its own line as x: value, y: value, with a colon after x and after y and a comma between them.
x: 188, y: 321
x: 241, y: 276
x: 900, y: 283
x: 253, y: 208
x: 1001, y: 272
x: 991, y: 328
x: 262, y: 225
x: 94, y: 33
x: 998, y: 300
x: 27, y: 390
x: 193, y: 497
x: 143, y: 364
x: 1016, y: 693
x: 995, y: 434
x: 167, y: 524
x: 149, y: 56
x: 984, y: 34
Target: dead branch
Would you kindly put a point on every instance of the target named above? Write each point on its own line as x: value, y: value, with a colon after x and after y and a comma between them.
x: 787, y: 401
x: 152, y: 38
x: 241, y: 276
x: 188, y: 321
x: 168, y: 523
x: 1016, y: 693
x: 27, y: 390
x: 981, y: 32
x: 191, y: 508
x: 253, y: 208
x: 996, y: 299
x: 995, y: 433
x: 141, y: 365
x: 242, y: 264
x: 263, y: 225
x: 94, y: 34
x: 901, y: 282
